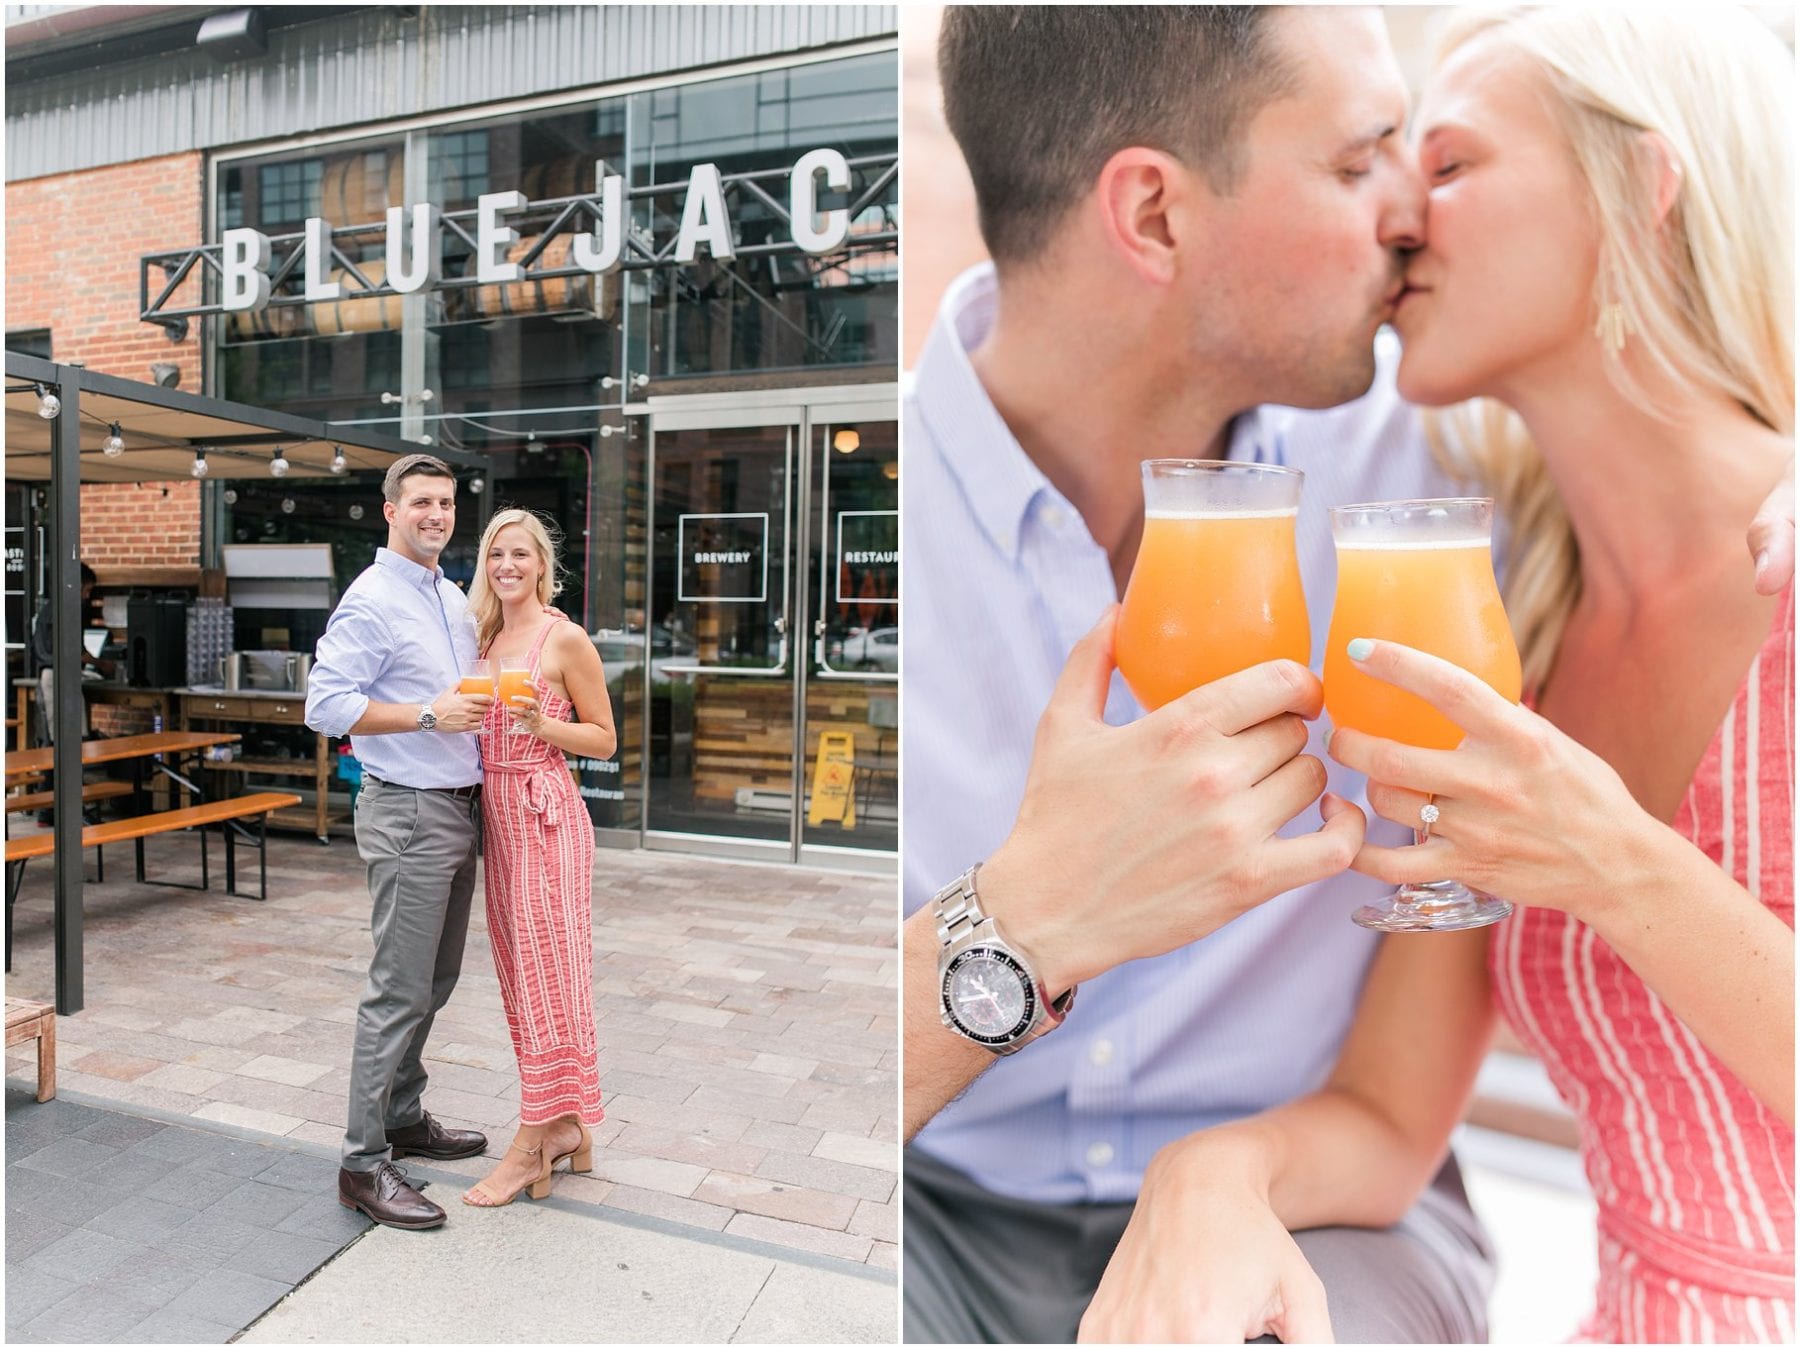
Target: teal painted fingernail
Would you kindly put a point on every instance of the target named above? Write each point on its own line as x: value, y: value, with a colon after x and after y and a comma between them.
x: 1361, y: 648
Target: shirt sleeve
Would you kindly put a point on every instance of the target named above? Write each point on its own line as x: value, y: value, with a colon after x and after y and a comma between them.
x: 348, y: 660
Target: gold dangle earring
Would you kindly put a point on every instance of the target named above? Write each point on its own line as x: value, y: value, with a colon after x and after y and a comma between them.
x: 1611, y: 327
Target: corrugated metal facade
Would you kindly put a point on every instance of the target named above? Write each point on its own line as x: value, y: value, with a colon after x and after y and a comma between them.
x: 378, y: 65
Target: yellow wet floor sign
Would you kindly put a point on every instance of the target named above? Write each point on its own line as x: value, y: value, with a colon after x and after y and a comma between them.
x: 834, y: 775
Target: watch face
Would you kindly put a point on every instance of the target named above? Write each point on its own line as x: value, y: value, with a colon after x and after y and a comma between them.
x: 988, y: 995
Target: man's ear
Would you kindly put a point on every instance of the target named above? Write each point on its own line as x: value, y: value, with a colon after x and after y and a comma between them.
x: 1659, y: 157
x: 1142, y: 196
x: 387, y: 511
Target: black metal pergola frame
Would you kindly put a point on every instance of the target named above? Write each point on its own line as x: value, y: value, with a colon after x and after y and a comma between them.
x: 68, y: 383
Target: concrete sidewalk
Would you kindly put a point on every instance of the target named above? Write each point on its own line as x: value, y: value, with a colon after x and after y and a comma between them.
x: 141, y: 1226
x: 563, y: 1272
x: 746, y: 1015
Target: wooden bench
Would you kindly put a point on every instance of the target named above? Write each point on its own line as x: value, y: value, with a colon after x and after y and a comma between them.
x: 90, y: 792
x: 228, y: 812
x: 35, y: 1021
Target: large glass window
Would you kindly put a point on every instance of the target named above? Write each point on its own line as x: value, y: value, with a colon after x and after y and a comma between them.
x: 531, y: 373
x: 782, y: 310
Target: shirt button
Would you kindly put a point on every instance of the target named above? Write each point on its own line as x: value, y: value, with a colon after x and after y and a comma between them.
x: 1100, y: 1053
x: 1053, y: 516
x: 1099, y: 1154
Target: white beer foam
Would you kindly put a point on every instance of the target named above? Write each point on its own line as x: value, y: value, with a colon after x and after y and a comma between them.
x: 1412, y: 545
x: 1288, y: 514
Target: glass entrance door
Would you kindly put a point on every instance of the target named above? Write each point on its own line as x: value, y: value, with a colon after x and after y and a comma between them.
x: 720, y: 741
x: 852, y: 695
x: 771, y: 689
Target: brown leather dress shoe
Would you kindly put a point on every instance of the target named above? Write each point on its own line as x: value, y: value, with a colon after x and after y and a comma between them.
x: 384, y: 1196
x: 428, y: 1138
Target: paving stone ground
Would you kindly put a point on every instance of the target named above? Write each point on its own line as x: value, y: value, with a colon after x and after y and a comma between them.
x: 747, y: 1024
x: 131, y: 1230
x: 221, y: 1236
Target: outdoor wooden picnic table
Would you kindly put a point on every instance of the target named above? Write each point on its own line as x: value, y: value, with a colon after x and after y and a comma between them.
x: 22, y: 763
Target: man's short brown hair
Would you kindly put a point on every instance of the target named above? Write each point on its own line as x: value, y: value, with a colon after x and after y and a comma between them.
x: 412, y: 466
x: 1039, y: 97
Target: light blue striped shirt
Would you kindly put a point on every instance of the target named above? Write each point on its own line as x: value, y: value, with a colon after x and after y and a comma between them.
x: 1002, y: 578
x: 401, y: 634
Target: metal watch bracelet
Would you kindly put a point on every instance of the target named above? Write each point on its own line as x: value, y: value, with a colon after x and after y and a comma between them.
x: 959, y: 914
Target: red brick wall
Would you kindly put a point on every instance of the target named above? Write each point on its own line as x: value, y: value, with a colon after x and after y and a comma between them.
x: 73, y: 242
x: 124, y: 525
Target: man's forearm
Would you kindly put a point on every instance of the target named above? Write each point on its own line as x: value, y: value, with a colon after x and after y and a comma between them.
x: 1326, y: 1159
x: 939, y: 1063
x: 387, y: 719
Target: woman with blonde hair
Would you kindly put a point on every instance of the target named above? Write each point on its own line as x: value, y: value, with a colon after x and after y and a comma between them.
x: 539, y: 851
x: 1607, y: 272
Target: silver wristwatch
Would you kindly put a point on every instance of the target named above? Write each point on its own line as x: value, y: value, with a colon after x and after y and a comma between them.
x: 427, y: 718
x: 988, y: 991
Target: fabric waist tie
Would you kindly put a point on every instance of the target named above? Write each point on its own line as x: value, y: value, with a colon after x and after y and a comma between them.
x: 540, y: 794
x: 1731, y: 1269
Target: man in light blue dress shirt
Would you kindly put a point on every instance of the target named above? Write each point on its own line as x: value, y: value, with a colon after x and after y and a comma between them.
x: 1198, y: 218
x: 386, y: 674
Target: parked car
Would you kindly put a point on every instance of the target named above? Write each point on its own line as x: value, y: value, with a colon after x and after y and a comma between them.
x: 876, y: 649
x: 622, y: 651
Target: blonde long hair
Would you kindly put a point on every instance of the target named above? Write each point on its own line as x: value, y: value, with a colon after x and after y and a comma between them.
x: 484, y: 604
x: 1706, y: 296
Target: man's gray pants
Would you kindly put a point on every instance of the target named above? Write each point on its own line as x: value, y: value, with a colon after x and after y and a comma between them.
x: 985, y: 1269
x: 420, y: 848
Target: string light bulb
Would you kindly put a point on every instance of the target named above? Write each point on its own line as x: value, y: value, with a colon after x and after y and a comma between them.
x: 199, y: 470
x: 114, y: 445
x: 278, y: 466
x: 339, y: 465
x: 49, y: 405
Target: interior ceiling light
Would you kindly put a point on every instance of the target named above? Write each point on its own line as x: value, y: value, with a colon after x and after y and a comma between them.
x: 847, y: 441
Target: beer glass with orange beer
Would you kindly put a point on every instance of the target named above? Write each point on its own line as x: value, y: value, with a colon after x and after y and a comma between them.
x: 1216, y: 585
x: 515, y: 682
x: 478, y: 679
x: 1420, y: 573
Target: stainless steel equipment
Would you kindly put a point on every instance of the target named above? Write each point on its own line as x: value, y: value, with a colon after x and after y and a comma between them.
x: 299, y: 669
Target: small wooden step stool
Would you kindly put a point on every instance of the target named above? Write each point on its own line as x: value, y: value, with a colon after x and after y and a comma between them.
x: 35, y: 1021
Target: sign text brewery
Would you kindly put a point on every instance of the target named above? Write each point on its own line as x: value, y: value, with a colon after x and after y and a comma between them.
x: 415, y: 241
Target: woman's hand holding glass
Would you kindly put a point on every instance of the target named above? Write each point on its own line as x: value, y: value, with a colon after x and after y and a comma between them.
x: 526, y: 713
x: 515, y: 689
x: 1524, y: 811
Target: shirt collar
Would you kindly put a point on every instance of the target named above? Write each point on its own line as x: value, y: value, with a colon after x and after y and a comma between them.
x: 996, y: 476
x: 408, y: 571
